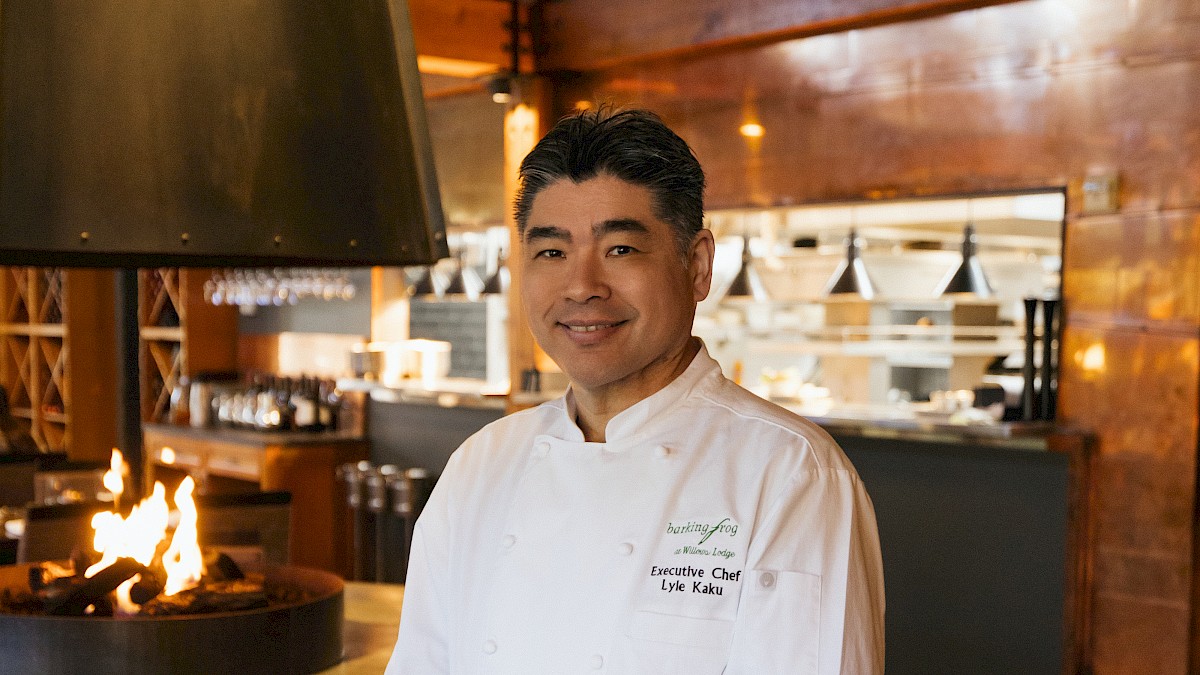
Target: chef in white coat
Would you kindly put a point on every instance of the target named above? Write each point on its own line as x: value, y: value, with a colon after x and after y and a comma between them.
x: 657, y: 518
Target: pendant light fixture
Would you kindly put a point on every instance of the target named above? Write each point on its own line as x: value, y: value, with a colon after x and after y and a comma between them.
x: 464, y: 283
x: 500, y: 85
x: 851, y: 277
x: 968, y: 277
x: 747, y: 285
x: 425, y: 286
x: 497, y: 284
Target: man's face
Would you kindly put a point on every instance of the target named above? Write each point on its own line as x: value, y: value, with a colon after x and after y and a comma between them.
x: 604, y: 287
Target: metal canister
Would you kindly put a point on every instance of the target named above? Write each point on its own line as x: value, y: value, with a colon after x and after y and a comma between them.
x: 409, y: 494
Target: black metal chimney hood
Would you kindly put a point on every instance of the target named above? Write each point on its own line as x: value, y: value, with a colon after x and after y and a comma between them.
x: 140, y: 133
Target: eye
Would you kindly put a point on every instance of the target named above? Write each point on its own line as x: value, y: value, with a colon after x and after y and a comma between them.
x: 621, y: 250
x: 548, y: 253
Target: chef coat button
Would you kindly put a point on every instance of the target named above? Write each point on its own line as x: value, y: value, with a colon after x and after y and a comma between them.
x: 625, y: 549
x: 489, y: 647
x: 766, y: 580
x: 661, y: 452
x: 542, y: 448
x: 596, y: 662
x: 508, y: 541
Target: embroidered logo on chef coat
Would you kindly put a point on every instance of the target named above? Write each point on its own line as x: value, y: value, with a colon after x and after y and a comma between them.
x: 699, y: 557
x: 705, y: 537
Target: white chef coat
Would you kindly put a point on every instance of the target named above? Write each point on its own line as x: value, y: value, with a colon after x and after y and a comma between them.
x: 712, y: 532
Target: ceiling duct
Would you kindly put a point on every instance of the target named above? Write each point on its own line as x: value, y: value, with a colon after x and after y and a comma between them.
x: 223, y: 132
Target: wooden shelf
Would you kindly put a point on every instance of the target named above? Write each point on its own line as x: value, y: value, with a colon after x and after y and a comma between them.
x: 41, y: 308
x: 161, y: 333
x: 34, y: 330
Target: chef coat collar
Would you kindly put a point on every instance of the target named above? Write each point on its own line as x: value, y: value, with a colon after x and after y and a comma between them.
x: 639, y: 416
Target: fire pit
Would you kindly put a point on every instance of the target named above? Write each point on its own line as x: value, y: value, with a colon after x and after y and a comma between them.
x: 303, y: 637
x: 148, y: 600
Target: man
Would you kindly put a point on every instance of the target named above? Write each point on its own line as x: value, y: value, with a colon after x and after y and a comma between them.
x: 657, y: 518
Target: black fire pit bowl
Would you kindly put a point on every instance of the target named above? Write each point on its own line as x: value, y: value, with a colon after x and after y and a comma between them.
x: 305, y: 637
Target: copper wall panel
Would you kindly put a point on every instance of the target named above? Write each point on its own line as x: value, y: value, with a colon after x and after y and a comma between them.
x: 588, y: 35
x: 1136, y: 391
x: 996, y: 98
x: 1138, y: 636
x: 1036, y: 93
x: 1136, y: 269
x: 1140, y: 400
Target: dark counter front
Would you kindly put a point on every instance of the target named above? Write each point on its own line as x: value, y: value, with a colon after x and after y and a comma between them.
x: 978, y: 548
x: 423, y: 434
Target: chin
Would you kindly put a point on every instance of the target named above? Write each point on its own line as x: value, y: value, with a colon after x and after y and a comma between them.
x: 592, y: 378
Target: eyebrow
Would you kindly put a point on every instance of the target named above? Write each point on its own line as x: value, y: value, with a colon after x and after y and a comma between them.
x: 627, y: 225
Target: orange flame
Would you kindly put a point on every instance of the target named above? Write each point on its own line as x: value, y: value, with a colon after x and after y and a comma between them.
x: 183, y: 560
x: 139, y: 535
x: 113, y: 478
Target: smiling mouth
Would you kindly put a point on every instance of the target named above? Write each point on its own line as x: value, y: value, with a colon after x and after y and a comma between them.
x: 589, y: 327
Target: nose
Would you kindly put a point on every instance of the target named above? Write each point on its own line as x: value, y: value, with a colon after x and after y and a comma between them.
x: 585, y: 280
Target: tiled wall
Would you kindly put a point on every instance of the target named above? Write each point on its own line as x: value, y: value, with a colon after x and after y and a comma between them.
x: 1029, y: 94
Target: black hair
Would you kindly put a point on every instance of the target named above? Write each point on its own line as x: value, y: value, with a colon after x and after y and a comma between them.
x: 632, y: 145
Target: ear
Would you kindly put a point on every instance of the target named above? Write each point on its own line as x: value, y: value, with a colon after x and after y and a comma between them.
x: 704, y: 247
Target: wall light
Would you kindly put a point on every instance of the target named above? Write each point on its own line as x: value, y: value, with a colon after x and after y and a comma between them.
x: 752, y: 130
x: 500, y: 88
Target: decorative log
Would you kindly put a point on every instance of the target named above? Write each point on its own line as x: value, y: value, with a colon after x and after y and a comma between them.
x: 147, y: 587
x: 220, y: 567
x: 81, y: 592
x: 225, y: 596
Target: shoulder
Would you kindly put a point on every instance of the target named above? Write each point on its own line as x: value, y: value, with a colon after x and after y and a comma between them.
x: 766, y: 423
x: 509, y: 436
x: 523, y: 423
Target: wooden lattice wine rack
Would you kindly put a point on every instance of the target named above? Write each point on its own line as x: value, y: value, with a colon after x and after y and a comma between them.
x: 34, y: 356
x: 58, y: 349
x: 163, y: 357
x: 181, y: 334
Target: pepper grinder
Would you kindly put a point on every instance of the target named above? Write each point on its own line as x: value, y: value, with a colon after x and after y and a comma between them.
x: 1049, y: 311
x: 1029, y: 402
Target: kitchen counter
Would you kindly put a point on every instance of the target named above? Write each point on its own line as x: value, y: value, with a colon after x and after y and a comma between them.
x: 236, y: 460
x: 907, y: 426
x: 369, y: 633
x: 255, y: 437
x: 448, y: 392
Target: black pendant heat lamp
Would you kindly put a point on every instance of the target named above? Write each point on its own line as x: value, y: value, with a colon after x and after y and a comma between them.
x: 425, y: 286
x: 456, y: 285
x: 851, y: 277
x: 497, y: 284
x: 968, y: 277
x: 463, y: 282
x: 747, y: 285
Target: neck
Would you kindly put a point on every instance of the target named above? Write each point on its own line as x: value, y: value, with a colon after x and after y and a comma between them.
x: 594, y: 408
